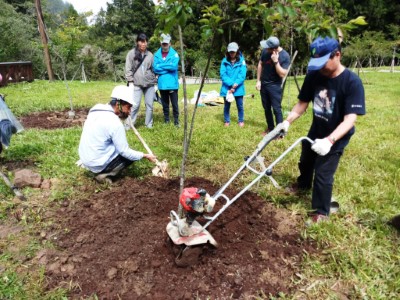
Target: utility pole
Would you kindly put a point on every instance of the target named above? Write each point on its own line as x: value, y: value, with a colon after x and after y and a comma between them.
x: 43, y: 36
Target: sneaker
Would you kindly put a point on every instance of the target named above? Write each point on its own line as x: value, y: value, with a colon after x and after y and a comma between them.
x: 317, y: 218
x: 177, y: 125
x: 226, y: 124
x: 241, y: 124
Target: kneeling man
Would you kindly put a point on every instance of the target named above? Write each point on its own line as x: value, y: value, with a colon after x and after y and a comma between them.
x: 103, y: 148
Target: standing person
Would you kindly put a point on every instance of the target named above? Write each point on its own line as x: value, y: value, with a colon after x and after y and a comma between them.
x: 233, y: 73
x: 103, y: 148
x: 165, y: 65
x: 141, y: 78
x: 272, y: 67
x: 331, y: 130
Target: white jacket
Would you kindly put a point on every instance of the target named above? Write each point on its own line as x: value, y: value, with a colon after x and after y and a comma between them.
x: 103, y: 138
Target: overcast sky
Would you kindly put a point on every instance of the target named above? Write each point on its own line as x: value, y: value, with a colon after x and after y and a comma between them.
x: 87, y: 5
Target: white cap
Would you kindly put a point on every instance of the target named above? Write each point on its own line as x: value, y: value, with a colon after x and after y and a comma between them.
x: 122, y: 92
x: 165, y: 38
x: 233, y: 47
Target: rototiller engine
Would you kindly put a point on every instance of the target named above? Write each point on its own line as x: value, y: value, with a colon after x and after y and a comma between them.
x: 186, y: 236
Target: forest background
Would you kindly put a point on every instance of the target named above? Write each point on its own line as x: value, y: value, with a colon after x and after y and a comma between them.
x: 100, y: 47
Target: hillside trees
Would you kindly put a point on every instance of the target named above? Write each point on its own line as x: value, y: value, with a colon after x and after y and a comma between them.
x: 18, y: 35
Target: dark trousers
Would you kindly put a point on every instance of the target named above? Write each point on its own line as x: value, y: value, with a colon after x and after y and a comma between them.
x: 116, y: 165
x: 166, y: 97
x: 271, y: 99
x: 318, y: 171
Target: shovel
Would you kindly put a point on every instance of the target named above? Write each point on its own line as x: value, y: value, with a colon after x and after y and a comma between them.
x: 161, y: 168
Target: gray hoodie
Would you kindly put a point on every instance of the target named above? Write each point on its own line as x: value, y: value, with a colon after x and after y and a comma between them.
x: 144, y: 76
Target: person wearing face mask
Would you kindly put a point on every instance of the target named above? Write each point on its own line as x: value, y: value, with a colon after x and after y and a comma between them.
x: 103, y: 147
x: 166, y: 64
x: 141, y: 78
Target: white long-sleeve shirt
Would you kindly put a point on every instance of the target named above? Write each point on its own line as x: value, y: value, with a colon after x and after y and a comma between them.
x: 103, y: 138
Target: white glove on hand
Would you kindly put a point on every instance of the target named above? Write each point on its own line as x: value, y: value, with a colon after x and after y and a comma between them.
x: 131, y: 86
x: 230, y: 97
x: 322, y: 146
x: 286, y: 125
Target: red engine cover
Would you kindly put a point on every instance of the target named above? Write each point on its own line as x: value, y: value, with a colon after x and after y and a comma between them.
x: 188, y: 193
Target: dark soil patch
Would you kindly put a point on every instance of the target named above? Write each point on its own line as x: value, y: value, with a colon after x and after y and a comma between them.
x: 113, y: 245
x: 12, y: 165
x: 54, y: 119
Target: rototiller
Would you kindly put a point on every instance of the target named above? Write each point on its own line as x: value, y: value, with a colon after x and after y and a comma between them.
x: 188, y: 234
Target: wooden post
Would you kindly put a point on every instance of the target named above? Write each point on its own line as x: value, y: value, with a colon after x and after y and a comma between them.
x: 43, y: 36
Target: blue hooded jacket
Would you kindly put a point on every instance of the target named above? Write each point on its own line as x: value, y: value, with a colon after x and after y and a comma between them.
x: 231, y: 74
x: 167, y: 69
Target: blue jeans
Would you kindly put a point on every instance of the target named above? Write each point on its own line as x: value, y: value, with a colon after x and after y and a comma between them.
x: 319, y: 172
x: 239, y: 105
x: 271, y: 98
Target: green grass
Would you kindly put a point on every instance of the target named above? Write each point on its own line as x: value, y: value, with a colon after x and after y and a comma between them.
x: 359, y: 253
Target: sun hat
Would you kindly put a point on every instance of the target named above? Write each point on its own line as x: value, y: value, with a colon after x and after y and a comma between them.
x: 233, y: 47
x: 165, y: 38
x: 321, y: 49
x: 271, y: 43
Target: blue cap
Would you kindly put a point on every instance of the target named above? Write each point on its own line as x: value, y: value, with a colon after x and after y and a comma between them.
x: 321, y: 49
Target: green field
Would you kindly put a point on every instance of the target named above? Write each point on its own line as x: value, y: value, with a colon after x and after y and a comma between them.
x: 359, y: 253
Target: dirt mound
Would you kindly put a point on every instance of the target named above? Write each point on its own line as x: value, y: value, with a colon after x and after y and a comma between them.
x: 113, y: 245
x: 54, y: 119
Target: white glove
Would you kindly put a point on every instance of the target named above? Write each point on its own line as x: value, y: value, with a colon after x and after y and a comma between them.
x: 322, y: 146
x: 286, y: 125
x: 230, y: 97
x: 131, y: 86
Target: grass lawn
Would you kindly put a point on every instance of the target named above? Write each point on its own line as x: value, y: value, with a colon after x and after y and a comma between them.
x: 359, y: 253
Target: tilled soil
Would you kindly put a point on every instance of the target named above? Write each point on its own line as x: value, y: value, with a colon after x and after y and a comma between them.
x: 54, y: 119
x: 112, y: 245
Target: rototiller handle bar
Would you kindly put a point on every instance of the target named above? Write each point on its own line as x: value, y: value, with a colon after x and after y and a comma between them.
x: 278, y: 131
x: 268, y: 170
